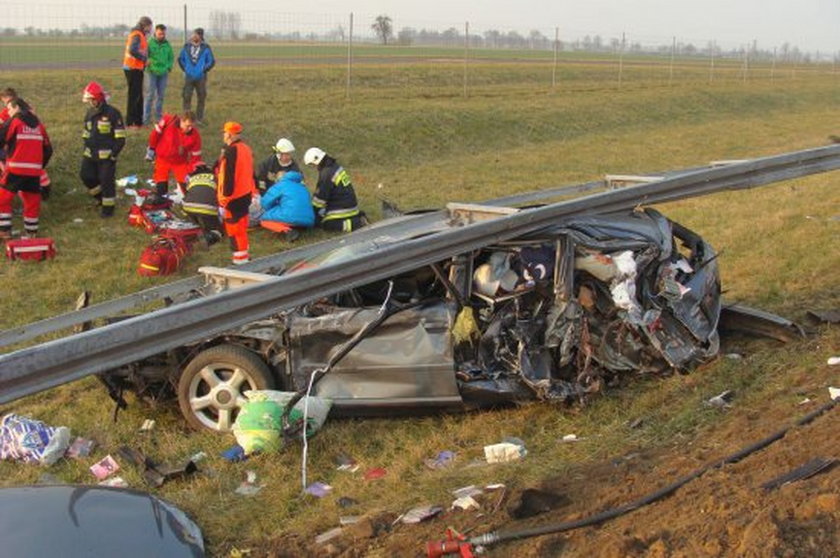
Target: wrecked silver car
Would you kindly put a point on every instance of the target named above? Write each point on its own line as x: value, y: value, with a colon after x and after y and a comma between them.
x: 555, y: 315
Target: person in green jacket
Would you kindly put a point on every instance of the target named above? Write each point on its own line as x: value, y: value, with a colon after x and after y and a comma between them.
x: 161, y: 60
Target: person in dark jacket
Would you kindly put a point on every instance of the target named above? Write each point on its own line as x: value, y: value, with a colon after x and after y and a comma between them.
x: 196, y: 60
x: 28, y: 151
x: 336, y: 208
x: 200, y: 201
x: 275, y: 166
x: 134, y: 62
x: 104, y: 137
x: 287, y: 205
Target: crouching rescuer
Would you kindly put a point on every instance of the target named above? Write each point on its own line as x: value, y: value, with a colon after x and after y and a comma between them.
x: 235, y: 173
x: 28, y: 150
x: 336, y: 208
x: 104, y: 138
x: 200, y: 201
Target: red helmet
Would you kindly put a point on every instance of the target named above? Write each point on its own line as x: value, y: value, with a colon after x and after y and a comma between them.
x: 94, y: 92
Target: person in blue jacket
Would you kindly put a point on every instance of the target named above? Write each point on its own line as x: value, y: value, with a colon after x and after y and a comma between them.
x: 196, y: 60
x: 286, y: 205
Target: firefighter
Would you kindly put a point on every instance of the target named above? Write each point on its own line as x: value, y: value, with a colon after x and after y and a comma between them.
x: 28, y: 150
x: 104, y: 138
x: 272, y: 169
x: 200, y: 202
x: 173, y: 144
x: 7, y: 95
x: 235, y: 178
x: 336, y: 208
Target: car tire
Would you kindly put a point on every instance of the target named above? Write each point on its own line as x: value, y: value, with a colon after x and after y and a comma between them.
x: 211, y: 387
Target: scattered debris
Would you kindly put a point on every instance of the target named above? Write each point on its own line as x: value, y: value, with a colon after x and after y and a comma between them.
x: 534, y: 502
x: 636, y: 423
x: 239, y: 552
x: 466, y: 503
x: 809, y: 469
x: 734, y: 356
x: 318, y: 489
x: 153, y: 473
x: 249, y: 486
x: 105, y: 467
x: 375, y: 474
x: 504, y: 452
x: 467, y: 491
x: 115, y: 482
x: 80, y: 447
x: 441, y: 460
x: 198, y: 457
x: 31, y: 441
x: 345, y: 502
x: 834, y: 393
x: 419, y: 514
x: 78, y: 220
x: 824, y: 316
x: 130, y: 180
x: 805, y: 401
x: 571, y: 438
x: 722, y: 400
x: 834, y: 361
x: 328, y: 535
x: 147, y: 426
x: 234, y: 454
x: 346, y: 463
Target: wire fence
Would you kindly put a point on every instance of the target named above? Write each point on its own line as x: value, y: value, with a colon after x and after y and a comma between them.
x: 359, y: 53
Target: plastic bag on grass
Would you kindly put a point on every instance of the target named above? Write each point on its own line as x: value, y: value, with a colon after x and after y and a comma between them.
x: 258, y: 425
x: 31, y: 441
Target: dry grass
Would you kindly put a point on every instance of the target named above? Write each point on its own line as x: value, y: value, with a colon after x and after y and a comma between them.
x: 779, y: 252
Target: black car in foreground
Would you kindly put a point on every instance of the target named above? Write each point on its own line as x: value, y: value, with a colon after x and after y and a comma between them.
x: 556, y: 315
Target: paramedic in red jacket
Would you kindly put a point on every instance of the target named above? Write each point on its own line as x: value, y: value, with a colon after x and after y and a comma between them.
x: 7, y: 95
x: 28, y: 150
x: 173, y: 144
x: 235, y: 183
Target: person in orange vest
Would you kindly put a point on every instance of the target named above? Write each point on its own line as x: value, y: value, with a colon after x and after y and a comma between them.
x: 28, y: 150
x: 173, y: 144
x: 134, y: 63
x: 6, y: 96
x: 235, y: 183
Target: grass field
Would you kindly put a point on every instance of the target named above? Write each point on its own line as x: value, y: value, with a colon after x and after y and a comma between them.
x: 410, y: 130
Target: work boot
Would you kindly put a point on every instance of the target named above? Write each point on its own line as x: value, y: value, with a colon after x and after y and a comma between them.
x: 241, y: 262
x: 107, y: 211
x: 291, y: 235
x: 212, y: 237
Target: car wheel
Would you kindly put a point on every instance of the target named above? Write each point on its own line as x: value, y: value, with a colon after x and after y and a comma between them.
x: 210, y: 390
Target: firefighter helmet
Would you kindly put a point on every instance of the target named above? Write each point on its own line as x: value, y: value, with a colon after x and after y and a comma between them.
x: 313, y: 156
x: 94, y: 93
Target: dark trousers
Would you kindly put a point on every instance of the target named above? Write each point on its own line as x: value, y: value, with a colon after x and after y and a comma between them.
x: 99, y: 178
x: 343, y: 225
x: 200, y: 86
x: 134, y: 108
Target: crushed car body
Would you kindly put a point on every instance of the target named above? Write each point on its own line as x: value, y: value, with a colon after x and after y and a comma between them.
x: 557, y: 314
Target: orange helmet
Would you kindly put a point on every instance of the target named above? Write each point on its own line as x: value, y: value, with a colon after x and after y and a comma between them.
x: 94, y: 92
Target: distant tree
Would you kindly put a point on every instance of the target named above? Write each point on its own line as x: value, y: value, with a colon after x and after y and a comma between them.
x: 383, y: 27
x: 406, y: 36
x: 491, y: 38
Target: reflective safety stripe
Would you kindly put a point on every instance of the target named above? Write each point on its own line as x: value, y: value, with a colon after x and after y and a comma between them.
x: 5, y: 219
x: 318, y: 202
x: 19, y: 165
x: 107, y: 202
x: 103, y: 126
x: 341, y: 213
x: 341, y: 178
x: 196, y: 153
x: 87, y: 152
x: 38, y: 137
x: 85, y: 134
x: 203, y: 208
x: 119, y: 133
x: 347, y: 226
x: 149, y: 267
x: 95, y: 191
x: 104, y: 153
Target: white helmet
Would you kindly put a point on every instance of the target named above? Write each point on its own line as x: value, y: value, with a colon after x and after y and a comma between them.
x: 313, y: 156
x: 284, y: 146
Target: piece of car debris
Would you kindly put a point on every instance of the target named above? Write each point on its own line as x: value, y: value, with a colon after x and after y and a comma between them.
x: 465, y: 491
x: 805, y: 401
x: 115, y: 482
x: 327, y: 536
x: 722, y: 400
x: 81, y: 447
x: 346, y: 463
x: 834, y: 393
x: 833, y: 361
x: 466, y: 503
x: 249, y: 486
x: 734, y: 356
x: 148, y: 425
x: 809, y: 469
x: 375, y: 474
x: 419, y: 514
x: 234, y: 454
x: 571, y: 438
x: 345, y: 520
x: 504, y: 452
x: 824, y: 316
x: 441, y: 460
x: 346, y: 502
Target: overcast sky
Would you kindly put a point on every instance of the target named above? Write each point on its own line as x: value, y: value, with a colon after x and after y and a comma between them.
x: 810, y: 24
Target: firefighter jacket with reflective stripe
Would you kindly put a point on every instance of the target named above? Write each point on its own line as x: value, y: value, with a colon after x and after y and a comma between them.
x: 334, y: 196
x: 165, y: 139
x: 191, y: 142
x: 27, y: 145
x: 136, y: 50
x: 235, y: 174
x: 200, y: 198
x: 104, y: 133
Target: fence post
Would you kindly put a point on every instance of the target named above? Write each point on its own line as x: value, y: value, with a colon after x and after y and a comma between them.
x: 466, y: 53
x: 554, y: 68
x: 746, y: 62
x: 349, y: 55
x: 621, y: 59
x: 186, y: 29
x: 673, y: 53
x: 773, y: 67
x: 712, y: 48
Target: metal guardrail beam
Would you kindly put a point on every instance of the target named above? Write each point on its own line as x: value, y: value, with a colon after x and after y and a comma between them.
x: 56, y: 362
